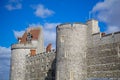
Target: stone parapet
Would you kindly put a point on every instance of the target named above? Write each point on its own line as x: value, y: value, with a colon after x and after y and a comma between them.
x: 23, y: 46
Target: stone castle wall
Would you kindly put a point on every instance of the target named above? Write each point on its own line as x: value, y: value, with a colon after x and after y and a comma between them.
x: 19, y: 52
x: 40, y: 67
x: 103, y: 58
x: 18, y: 61
x: 83, y: 53
x: 71, y: 51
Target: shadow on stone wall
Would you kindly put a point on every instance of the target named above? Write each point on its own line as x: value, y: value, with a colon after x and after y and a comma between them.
x: 51, y: 71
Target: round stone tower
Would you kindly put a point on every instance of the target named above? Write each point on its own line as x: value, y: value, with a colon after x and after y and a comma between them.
x: 71, y: 51
x: 30, y: 43
x: 18, y: 67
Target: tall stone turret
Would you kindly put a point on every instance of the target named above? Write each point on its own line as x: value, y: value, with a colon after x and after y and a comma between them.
x: 71, y: 51
x: 92, y: 28
x: 30, y: 43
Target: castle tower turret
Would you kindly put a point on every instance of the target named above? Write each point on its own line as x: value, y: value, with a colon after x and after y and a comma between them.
x: 71, y: 52
x: 32, y: 40
x: 93, y: 26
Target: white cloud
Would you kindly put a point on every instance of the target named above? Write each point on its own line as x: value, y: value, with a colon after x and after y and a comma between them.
x: 35, y: 25
x: 13, y: 5
x: 42, y: 12
x: 50, y: 25
x: 18, y: 33
x: 49, y: 30
x: 4, y: 62
x: 4, y: 52
x: 109, y: 13
x: 50, y: 37
x: 112, y: 29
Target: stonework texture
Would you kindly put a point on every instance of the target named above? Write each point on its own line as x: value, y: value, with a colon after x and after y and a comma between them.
x: 71, y: 52
x: 40, y: 66
x: 82, y: 53
x: 23, y: 48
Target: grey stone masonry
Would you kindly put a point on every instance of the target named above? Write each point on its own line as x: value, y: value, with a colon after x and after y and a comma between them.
x: 40, y: 67
x: 23, y: 48
x: 71, y: 52
x: 103, y: 58
x: 18, y: 60
x: 84, y: 53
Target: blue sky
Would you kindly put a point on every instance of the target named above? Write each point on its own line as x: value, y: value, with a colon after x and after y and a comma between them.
x: 17, y: 15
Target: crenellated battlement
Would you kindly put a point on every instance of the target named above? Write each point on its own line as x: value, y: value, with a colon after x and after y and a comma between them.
x: 71, y: 26
x: 91, y: 26
x: 100, y: 38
